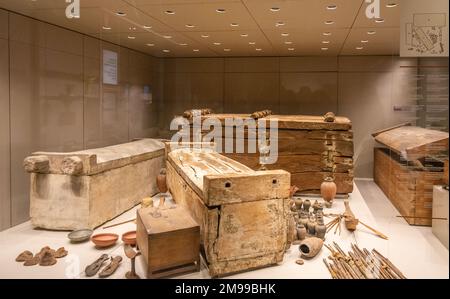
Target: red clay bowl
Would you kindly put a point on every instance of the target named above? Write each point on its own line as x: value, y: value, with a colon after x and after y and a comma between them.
x: 104, y: 240
x: 129, y: 238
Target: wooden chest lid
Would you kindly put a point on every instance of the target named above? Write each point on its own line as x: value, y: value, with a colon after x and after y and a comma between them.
x: 170, y: 219
x: 297, y: 122
x: 413, y: 142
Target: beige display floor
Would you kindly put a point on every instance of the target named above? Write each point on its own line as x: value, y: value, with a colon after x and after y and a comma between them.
x: 414, y: 250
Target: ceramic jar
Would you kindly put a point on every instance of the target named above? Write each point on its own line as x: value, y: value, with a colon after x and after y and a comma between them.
x: 161, y: 181
x: 320, y: 228
x: 303, y: 219
x: 310, y: 247
x: 328, y: 191
x: 306, y: 205
x: 301, y: 232
x: 311, y: 226
x: 298, y: 203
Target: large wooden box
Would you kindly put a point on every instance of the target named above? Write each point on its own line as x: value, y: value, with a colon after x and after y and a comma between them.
x: 242, y: 213
x: 309, y: 147
x: 87, y: 188
x: 440, y: 214
x: 169, y: 242
x: 408, y: 168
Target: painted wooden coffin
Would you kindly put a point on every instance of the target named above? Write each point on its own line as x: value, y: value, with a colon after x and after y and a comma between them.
x: 309, y: 147
x: 408, y: 167
x: 85, y: 189
x: 242, y: 213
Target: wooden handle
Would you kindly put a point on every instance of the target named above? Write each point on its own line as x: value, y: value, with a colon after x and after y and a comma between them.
x: 379, y: 234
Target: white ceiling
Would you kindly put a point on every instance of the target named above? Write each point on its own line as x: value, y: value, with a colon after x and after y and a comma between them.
x: 212, y: 34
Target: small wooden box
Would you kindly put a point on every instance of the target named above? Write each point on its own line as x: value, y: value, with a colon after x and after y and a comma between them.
x: 169, y: 243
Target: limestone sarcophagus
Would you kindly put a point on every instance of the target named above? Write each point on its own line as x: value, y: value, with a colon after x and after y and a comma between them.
x: 241, y: 212
x: 85, y: 189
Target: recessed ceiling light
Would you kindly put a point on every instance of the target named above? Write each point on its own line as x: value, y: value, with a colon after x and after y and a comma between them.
x: 380, y: 20
x: 324, y: 49
x: 329, y: 22
x: 131, y: 37
x: 167, y: 36
x: 251, y: 43
x: 244, y: 34
x: 359, y: 48
x: 121, y: 14
x: 284, y: 34
x: 205, y: 35
x: 331, y: 7
x: 217, y: 43
x: 147, y: 27
x: 183, y: 44
x: 190, y: 26
x: 132, y: 28
x: 291, y: 49
x: 170, y: 12
x: 106, y: 28
x: 150, y: 45
x: 166, y: 51
x: 371, y: 32
x: 195, y: 50
x: 227, y: 50
x: 274, y: 9
x: 390, y: 5
x: 221, y: 10
x: 326, y: 33
x: 234, y: 24
x: 279, y: 23
x: 288, y: 42
x: 325, y: 42
x: 364, y: 41
x: 258, y: 49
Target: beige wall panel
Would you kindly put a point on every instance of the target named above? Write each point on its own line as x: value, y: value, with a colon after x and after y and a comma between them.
x: 250, y: 92
x: 3, y: 24
x: 193, y: 65
x: 46, y: 111
x: 26, y: 30
x: 252, y: 65
x: 308, y: 64
x: 5, y: 204
x: 308, y: 93
x: 372, y: 63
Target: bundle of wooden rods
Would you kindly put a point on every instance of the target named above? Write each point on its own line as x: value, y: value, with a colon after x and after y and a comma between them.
x: 360, y: 264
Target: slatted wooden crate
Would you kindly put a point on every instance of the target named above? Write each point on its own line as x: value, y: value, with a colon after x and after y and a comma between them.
x: 408, y: 167
x: 242, y: 213
x: 309, y: 147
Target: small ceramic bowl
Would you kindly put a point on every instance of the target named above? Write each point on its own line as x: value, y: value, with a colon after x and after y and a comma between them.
x: 80, y: 235
x: 104, y: 240
x: 129, y: 238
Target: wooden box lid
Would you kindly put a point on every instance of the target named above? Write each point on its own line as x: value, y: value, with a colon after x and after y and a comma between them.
x: 220, y: 180
x: 296, y: 122
x: 171, y: 219
x: 413, y: 142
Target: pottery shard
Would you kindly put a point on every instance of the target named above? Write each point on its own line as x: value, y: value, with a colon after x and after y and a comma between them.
x: 300, y: 262
x: 47, y: 259
x: 61, y: 252
x: 72, y: 165
x: 24, y: 256
x: 31, y: 262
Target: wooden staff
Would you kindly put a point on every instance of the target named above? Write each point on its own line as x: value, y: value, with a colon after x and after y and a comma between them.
x: 378, y: 233
x: 120, y: 223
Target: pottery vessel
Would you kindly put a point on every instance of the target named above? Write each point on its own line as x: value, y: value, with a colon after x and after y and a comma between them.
x: 311, y: 226
x: 301, y: 232
x: 298, y: 203
x: 320, y: 228
x: 310, y: 247
x: 306, y: 205
x: 328, y: 190
x: 303, y: 219
x: 81, y: 235
x: 104, y: 240
x: 129, y: 238
x: 161, y: 181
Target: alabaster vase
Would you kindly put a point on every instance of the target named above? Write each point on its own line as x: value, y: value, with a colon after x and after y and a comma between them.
x: 161, y: 181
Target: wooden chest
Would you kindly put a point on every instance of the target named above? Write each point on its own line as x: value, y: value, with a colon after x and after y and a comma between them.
x: 242, y: 213
x: 409, y: 167
x: 309, y: 147
x: 85, y: 189
x: 169, y: 240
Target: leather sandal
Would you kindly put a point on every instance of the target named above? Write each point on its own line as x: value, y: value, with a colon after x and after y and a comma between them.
x: 111, y: 268
x: 93, y: 268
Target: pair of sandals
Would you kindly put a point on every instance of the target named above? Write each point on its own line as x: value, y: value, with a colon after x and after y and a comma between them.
x: 109, y: 270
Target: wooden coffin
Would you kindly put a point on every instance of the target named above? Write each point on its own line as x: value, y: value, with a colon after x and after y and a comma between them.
x: 408, y: 167
x: 85, y: 189
x: 309, y: 147
x: 169, y: 240
x: 242, y: 213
